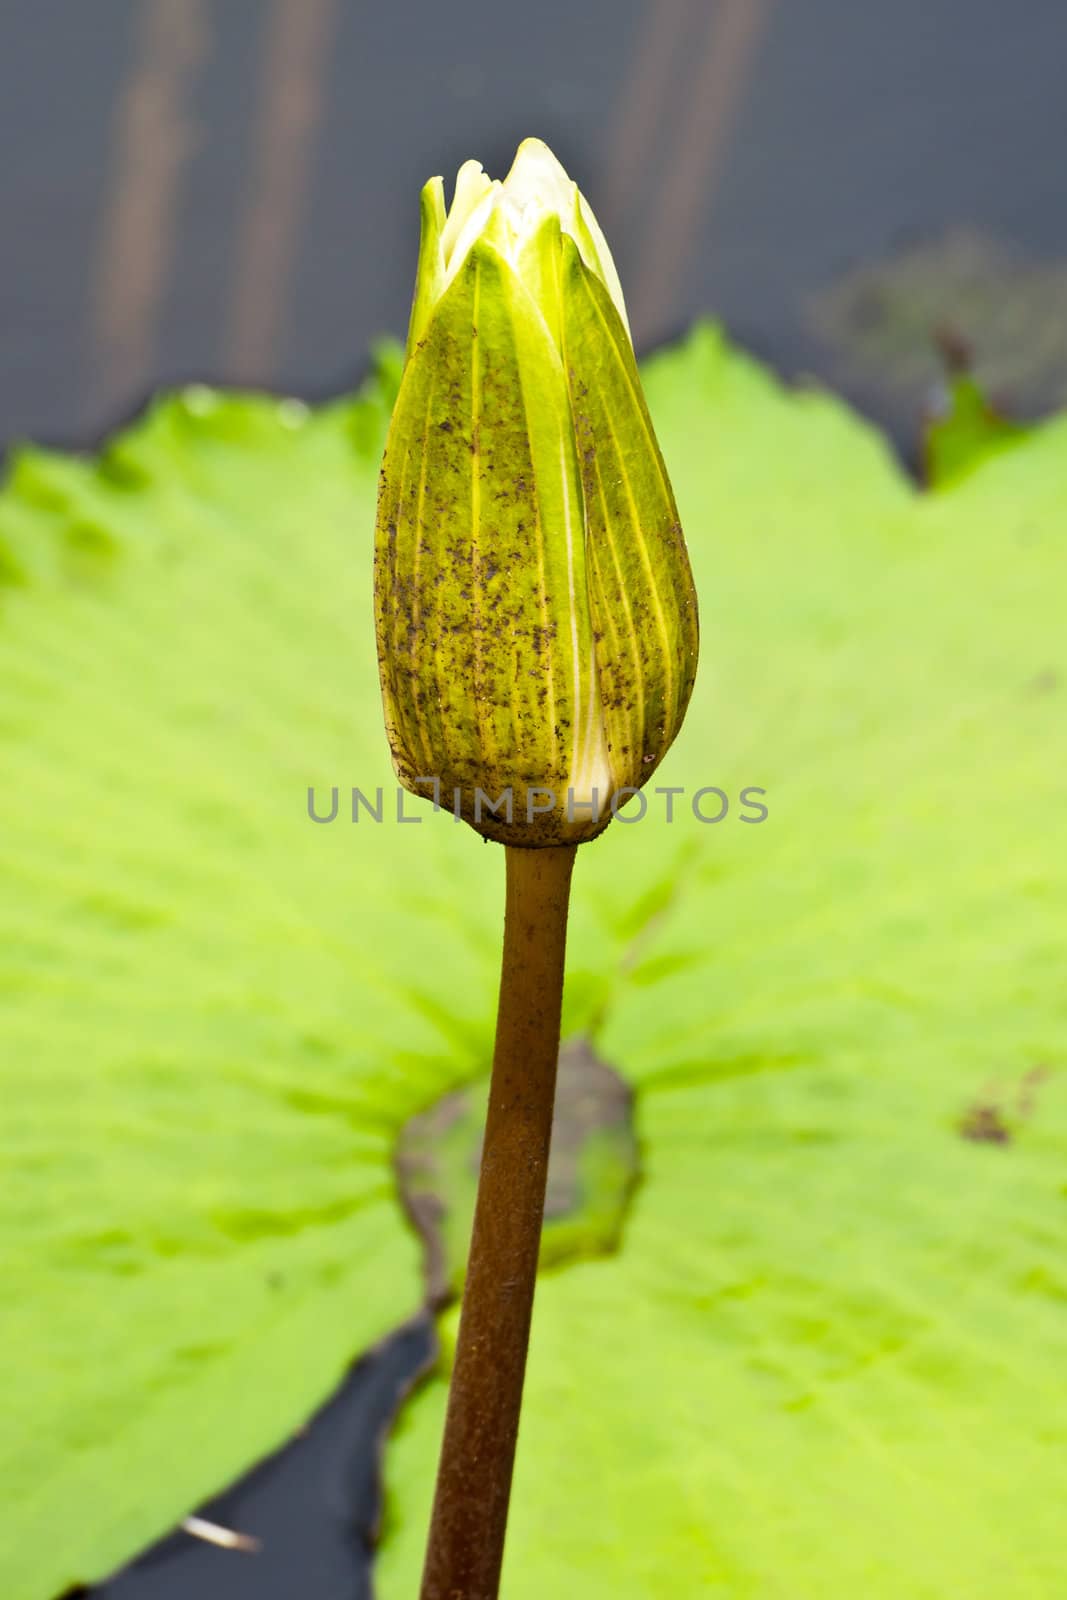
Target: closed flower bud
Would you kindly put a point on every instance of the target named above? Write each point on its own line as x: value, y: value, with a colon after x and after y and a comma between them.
x: 535, y: 610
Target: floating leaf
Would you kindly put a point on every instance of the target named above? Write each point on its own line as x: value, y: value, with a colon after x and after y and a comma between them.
x: 216, y: 1015
x: 883, y: 320
x: 827, y: 1359
x: 965, y: 432
x: 826, y: 1355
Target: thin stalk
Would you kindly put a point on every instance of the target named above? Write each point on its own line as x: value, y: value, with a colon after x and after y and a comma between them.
x: 470, y: 1512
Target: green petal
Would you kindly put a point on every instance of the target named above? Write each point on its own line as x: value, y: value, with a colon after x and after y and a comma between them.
x: 642, y: 598
x: 538, y: 268
x: 596, y: 253
x: 488, y: 668
x: 431, y: 271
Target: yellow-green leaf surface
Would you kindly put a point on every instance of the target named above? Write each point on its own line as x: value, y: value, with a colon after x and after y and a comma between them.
x: 827, y: 1357
x: 215, y: 1013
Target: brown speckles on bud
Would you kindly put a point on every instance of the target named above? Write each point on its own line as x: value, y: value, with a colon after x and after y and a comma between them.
x: 536, y: 619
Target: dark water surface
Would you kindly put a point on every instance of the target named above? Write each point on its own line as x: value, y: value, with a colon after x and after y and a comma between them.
x: 226, y: 189
x: 313, y: 1508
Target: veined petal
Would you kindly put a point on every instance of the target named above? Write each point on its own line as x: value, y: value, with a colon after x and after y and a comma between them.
x: 538, y: 183
x: 489, y: 668
x: 472, y: 186
x: 596, y: 254
x: 537, y: 264
x: 429, y: 281
x: 475, y: 223
x: 642, y: 598
x: 537, y: 624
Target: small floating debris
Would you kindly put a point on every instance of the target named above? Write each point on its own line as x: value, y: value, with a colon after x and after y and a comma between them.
x: 225, y: 1538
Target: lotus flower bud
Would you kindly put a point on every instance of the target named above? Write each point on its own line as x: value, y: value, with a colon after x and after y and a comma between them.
x: 535, y: 610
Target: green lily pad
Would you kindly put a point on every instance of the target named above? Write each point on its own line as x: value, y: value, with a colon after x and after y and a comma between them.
x: 216, y: 1015
x: 826, y: 1356
x: 827, y: 1360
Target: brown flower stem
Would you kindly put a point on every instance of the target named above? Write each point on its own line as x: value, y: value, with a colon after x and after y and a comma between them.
x: 470, y: 1511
